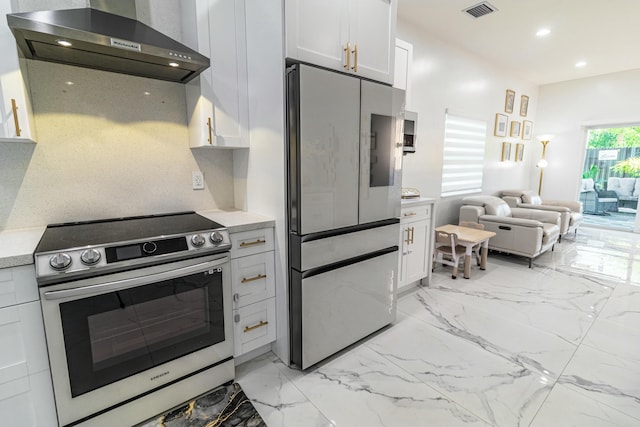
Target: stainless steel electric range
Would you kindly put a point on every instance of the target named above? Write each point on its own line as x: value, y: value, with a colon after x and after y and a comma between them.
x: 137, y: 314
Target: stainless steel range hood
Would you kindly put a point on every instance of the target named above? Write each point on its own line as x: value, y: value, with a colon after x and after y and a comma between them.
x: 101, y: 40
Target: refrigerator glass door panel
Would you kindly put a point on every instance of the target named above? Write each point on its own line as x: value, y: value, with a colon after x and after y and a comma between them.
x: 381, y: 124
x: 344, y: 305
x: 328, y: 149
x: 317, y: 253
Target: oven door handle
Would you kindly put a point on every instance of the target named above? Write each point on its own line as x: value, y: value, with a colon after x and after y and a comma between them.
x: 133, y: 282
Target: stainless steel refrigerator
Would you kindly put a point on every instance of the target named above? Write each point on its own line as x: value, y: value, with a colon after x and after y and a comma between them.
x: 344, y: 171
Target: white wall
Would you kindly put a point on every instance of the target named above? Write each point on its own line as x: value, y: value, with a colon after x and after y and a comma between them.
x: 445, y: 77
x: 259, y: 172
x: 567, y: 109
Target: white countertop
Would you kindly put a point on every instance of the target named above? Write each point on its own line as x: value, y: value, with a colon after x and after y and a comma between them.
x: 237, y: 221
x: 17, y: 246
x: 418, y: 200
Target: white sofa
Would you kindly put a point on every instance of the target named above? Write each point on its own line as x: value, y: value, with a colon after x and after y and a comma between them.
x: 627, y: 189
x: 570, y: 210
x: 519, y: 231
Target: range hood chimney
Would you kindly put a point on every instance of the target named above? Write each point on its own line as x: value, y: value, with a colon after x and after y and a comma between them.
x: 106, y: 37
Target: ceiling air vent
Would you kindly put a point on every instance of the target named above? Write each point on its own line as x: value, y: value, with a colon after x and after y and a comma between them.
x: 480, y: 9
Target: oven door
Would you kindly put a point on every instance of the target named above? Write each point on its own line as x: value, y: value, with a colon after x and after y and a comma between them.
x: 119, y: 336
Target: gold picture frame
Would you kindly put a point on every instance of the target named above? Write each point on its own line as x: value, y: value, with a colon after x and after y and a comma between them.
x: 527, y: 129
x: 515, y: 129
x: 500, y: 127
x: 509, y: 101
x: 519, y: 152
x: 524, y: 105
x: 506, y: 151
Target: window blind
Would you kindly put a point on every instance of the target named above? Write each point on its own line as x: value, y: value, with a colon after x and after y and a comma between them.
x: 463, y: 158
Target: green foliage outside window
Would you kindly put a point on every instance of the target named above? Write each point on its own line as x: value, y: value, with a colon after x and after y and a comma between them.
x: 628, y: 168
x: 614, y: 138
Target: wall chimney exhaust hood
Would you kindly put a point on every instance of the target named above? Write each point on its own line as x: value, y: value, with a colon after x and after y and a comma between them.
x: 102, y: 40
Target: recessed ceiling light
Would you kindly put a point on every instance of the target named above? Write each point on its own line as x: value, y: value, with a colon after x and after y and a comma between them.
x: 174, y: 64
x: 581, y: 64
x: 543, y: 32
x: 64, y: 43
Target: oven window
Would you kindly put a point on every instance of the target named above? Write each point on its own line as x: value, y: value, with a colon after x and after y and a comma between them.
x: 112, y: 336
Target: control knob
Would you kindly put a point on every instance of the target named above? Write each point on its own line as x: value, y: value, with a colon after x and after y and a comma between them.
x: 149, y: 247
x: 60, y: 261
x: 90, y: 256
x: 216, y: 238
x: 198, y: 240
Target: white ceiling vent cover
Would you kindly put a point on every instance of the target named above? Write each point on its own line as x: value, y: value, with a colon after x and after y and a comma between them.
x: 480, y: 9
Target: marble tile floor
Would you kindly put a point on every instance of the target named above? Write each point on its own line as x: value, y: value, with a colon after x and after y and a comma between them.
x: 556, y: 345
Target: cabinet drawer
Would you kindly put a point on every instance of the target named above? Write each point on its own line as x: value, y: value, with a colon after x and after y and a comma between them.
x: 252, y: 278
x: 18, y: 285
x: 28, y: 401
x: 22, y: 341
x: 251, y: 242
x: 415, y: 213
x: 254, y: 326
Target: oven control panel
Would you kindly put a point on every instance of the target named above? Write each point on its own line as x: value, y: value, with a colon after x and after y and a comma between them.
x: 90, y: 260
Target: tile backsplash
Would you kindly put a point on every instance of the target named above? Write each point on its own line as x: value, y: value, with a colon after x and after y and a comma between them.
x: 109, y: 145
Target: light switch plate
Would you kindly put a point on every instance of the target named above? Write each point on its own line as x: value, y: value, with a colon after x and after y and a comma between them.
x: 197, y: 180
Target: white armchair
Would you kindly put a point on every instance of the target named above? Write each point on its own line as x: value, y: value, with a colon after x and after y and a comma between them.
x: 525, y: 232
x: 570, y: 210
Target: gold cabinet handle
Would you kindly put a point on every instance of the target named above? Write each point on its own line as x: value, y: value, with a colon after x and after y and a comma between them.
x: 210, y: 130
x: 251, y: 279
x: 257, y: 242
x: 412, y: 231
x: 259, y: 325
x: 347, y: 55
x: 355, y: 58
x: 407, y: 241
x: 14, y: 107
x: 410, y: 214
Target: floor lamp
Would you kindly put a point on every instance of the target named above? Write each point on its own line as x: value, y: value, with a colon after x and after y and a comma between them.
x: 542, y: 163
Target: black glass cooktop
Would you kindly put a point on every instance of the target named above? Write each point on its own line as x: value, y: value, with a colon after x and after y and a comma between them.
x: 58, y: 237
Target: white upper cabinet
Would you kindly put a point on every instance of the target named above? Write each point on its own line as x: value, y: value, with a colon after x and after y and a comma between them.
x: 354, y: 36
x: 16, y: 117
x: 217, y: 100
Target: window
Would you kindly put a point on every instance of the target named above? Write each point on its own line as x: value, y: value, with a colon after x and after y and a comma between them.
x: 463, y: 157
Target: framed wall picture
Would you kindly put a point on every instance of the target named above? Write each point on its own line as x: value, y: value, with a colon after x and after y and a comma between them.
x: 515, y: 129
x: 509, y: 101
x: 527, y: 129
x: 506, y: 151
x: 500, y: 128
x: 519, y: 152
x: 524, y: 105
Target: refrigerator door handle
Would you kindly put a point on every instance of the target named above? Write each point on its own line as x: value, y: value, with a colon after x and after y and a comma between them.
x: 347, y: 262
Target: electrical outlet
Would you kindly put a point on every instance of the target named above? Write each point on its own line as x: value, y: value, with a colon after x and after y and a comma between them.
x: 197, y: 180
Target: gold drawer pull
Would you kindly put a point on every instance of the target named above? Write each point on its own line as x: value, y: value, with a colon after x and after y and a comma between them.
x: 14, y: 107
x: 257, y: 242
x: 259, y: 325
x: 251, y: 279
x: 210, y: 129
x: 410, y: 214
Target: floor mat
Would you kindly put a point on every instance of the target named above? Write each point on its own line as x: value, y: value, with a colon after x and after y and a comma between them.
x: 224, y: 406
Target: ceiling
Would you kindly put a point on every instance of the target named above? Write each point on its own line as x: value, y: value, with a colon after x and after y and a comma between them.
x: 605, y: 34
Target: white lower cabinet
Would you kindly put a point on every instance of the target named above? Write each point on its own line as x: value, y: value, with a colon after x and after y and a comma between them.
x: 26, y: 392
x: 417, y: 223
x: 253, y: 288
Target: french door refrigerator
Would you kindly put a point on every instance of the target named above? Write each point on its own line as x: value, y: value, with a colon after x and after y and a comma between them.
x: 344, y: 183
